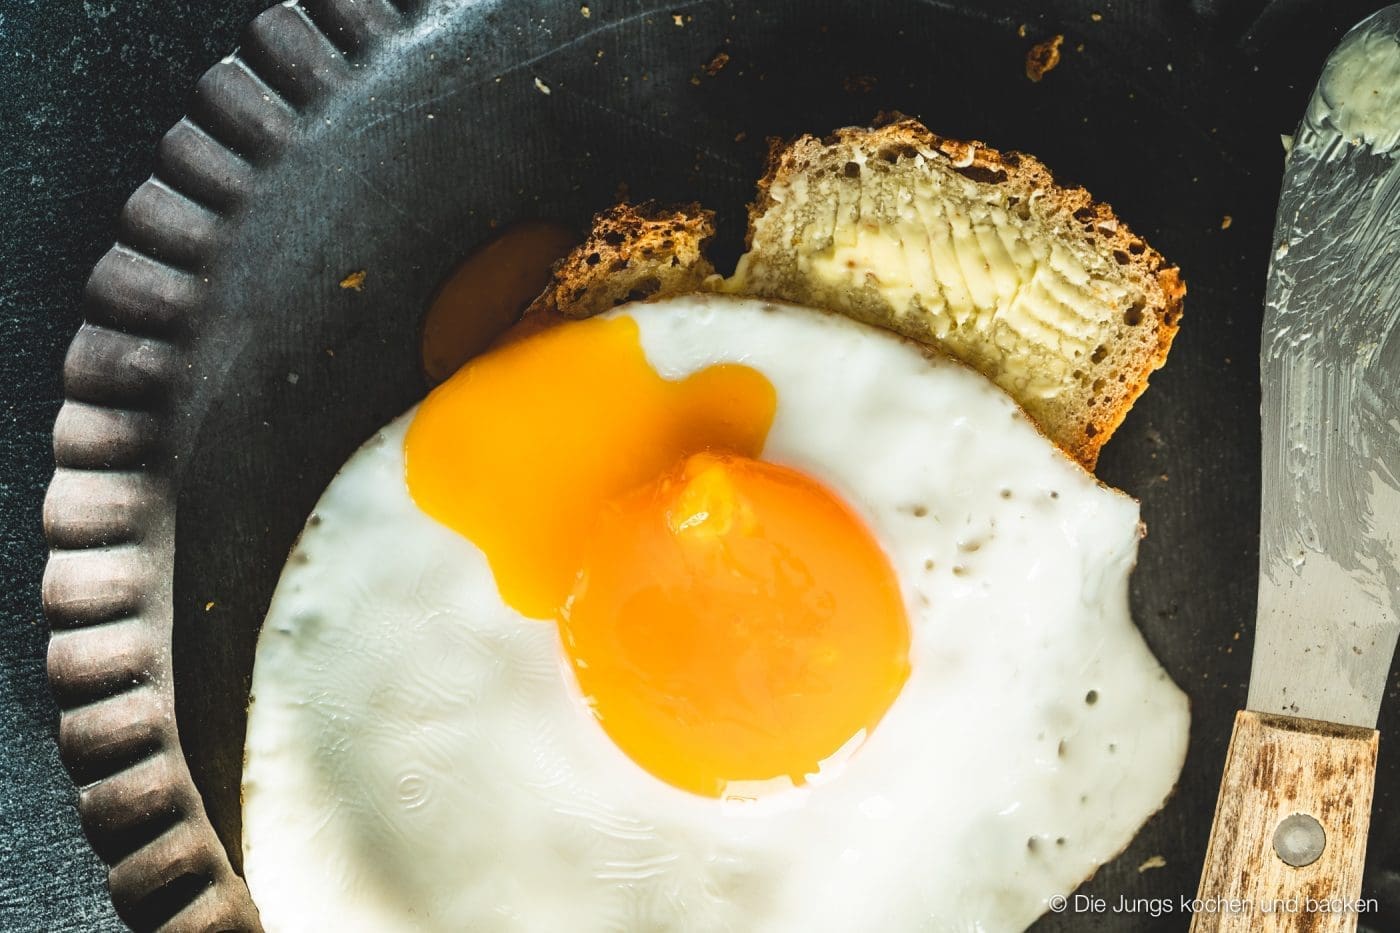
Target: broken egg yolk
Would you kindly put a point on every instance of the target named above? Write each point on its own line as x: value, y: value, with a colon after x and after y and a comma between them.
x: 729, y: 620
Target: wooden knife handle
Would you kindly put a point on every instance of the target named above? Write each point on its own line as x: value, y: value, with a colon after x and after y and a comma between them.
x: 1290, y: 785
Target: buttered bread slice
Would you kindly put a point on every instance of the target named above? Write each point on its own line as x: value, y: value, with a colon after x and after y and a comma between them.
x: 974, y: 251
x: 977, y: 252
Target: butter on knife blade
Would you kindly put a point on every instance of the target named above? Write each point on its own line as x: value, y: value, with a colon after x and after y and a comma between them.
x: 1295, y: 799
x: 1329, y: 552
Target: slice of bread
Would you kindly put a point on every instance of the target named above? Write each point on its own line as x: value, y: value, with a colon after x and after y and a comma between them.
x: 634, y: 251
x: 977, y: 252
x: 954, y: 244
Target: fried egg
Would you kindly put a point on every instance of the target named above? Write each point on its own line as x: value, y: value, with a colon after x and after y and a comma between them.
x: 707, y: 614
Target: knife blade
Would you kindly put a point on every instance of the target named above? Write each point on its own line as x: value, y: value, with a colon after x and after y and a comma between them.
x: 1329, y: 549
x: 1288, y: 842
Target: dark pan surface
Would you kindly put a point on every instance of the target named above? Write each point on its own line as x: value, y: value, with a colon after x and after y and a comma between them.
x: 1171, y: 111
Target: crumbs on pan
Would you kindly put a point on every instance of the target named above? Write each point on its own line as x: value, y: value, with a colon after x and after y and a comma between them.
x: 1043, y: 57
x: 355, y: 280
x: 716, y: 64
x: 1155, y: 861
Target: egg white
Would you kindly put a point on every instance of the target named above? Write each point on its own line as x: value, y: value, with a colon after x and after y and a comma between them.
x: 418, y: 757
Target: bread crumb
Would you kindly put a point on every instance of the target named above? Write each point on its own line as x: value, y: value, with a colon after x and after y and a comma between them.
x: 542, y: 87
x: 585, y: 12
x: 678, y: 19
x: 355, y: 280
x: 740, y: 136
x: 1226, y: 221
x: 859, y: 84
x: 1043, y: 57
x: 208, y: 606
x: 1021, y: 30
x: 716, y: 64
x: 1155, y: 861
x: 632, y: 253
x: 293, y: 378
x: 1096, y: 16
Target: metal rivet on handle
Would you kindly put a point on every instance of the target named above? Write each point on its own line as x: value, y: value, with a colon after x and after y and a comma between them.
x: 1299, y: 840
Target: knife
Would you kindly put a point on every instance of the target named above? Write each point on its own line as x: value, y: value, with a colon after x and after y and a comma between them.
x: 1289, y: 838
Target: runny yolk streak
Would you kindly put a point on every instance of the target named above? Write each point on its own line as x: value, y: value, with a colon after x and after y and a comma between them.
x: 728, y: 619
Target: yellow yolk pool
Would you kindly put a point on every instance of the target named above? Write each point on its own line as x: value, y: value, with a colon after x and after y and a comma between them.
x: 728, y: 619
x: 735, y: 621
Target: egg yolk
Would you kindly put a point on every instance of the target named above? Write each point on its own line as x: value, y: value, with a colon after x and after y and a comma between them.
x: 728, y: 619
x: 735, y: 621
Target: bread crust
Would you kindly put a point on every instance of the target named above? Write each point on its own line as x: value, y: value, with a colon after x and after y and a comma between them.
x: 646, y: 251
x: 895, y: 134
x: 633, y: 252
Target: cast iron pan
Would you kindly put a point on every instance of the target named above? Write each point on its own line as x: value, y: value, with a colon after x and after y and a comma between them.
x: 224, y: 374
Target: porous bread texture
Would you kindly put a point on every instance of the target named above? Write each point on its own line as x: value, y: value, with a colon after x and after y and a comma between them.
x: 633, y: 252
x: 976, y: 252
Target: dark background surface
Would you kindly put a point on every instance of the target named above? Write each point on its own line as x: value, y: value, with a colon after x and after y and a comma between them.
x: 90, y: 86
x: 93, y: 85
